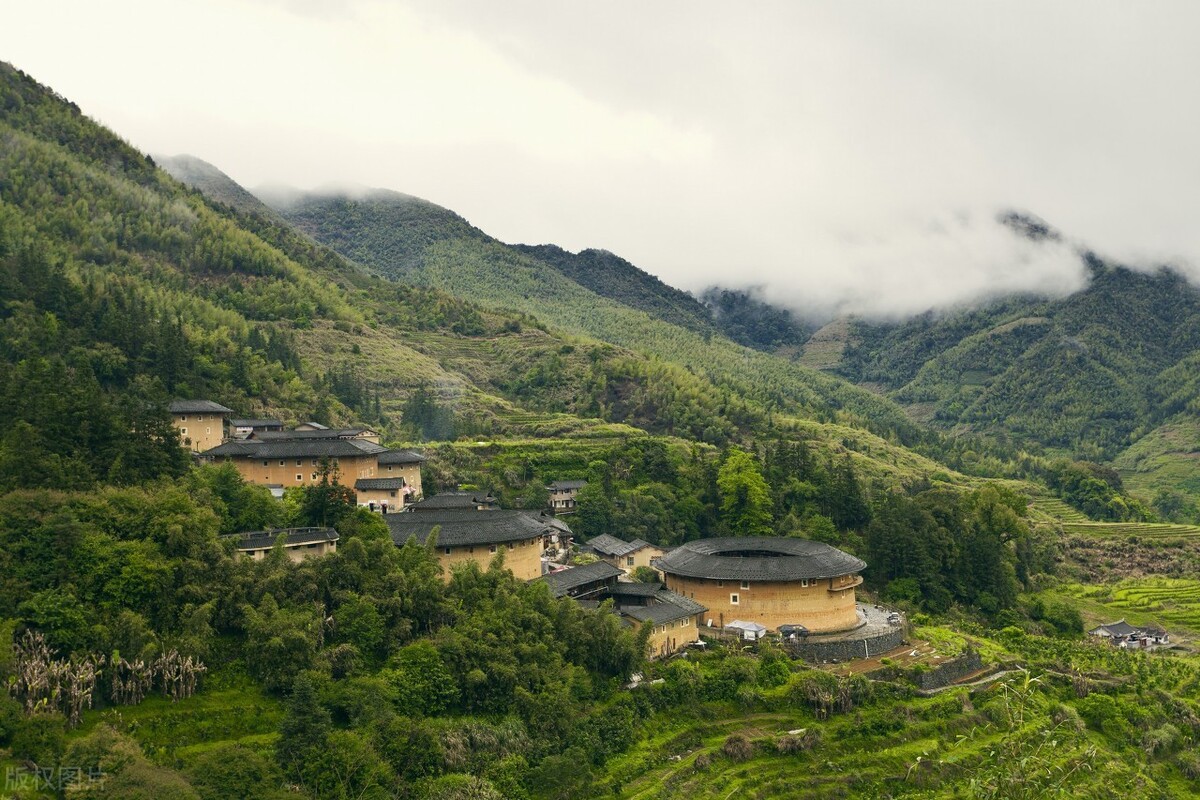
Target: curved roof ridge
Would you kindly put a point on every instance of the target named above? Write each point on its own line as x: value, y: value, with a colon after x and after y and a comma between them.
x: 759, y: 558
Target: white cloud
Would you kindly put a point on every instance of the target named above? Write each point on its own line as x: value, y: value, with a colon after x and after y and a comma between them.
x: 829, y: 152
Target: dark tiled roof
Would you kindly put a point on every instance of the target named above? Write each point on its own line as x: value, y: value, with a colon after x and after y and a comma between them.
x: 612, y: 546
x: 1121, y: 629
x: 567, y: 485
x: 328, y: 433
x: 634, y: 589
x: 198, y: 407
x: 561, y: 583
x: 454, y: 500
x: 257, y: 540
x: 758, y: 558
x: 667, y: 607
x: 296, y: 448
x: 364, y: 484
x: 467, y: 527
x: 256, y: 423
x: 400, y: 457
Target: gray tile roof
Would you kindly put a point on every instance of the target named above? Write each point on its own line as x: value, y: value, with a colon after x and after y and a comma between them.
x: 567, y: 485
x: 295, y: 448
x: 467, y: 527
x: 758, y: 558
x: 667, y: 606
x: 561, y: 583
x: 634, y: 589
x: 257, y: 540
x: 256, y: 423
x: 400, y: 457
x: 446, y: 501
x: 198, y: 407
x: 366, y: 484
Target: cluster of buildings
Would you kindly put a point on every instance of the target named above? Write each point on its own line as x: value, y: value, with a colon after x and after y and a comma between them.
x: 266, y: 453
x: 1122, y: 634
x: 757, y: 584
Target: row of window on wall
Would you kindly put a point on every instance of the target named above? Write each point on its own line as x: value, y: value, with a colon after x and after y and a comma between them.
x: 183, y: 431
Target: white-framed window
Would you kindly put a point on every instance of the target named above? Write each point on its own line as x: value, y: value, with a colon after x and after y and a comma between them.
x: 314, y: 462
x: 745, y: 584
x: 687, y: 621
x: 733, y: 599
x: 314, y: 476
x: 629, y: 561
x: 264, y: 463
x: 804, y: 583
x: 299, y: 477
x: 447, y: 551
x: 492, y: 549
x: 183, y: 417
x: 183, y: 431
x: 299, y: 462
x: 208, y: 431
x: 281, y: 462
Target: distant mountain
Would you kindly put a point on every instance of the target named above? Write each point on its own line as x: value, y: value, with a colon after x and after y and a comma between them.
x: 411, y: 240
x: 211, y: 182
x: 750, y: 321
x: 613, y: 277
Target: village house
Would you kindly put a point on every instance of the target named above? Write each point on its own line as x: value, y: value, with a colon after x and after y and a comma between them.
x: 243, y: 428
x: 674, y: 620
x: 587, y: 580
x: 298, y: 543
x: 563, y: 494
x: 201, y: 423
x: 1122, y: 634
x: 291, y: 462
x: 403, y: 464
x: 626, y: 555
x: 468, y: 535
x: 382, y: 494
x: 771, y: 581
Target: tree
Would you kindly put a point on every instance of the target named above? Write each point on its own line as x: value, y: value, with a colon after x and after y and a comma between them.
x: 327, y: 501
x: 304, y: 731
x: 745, y: 497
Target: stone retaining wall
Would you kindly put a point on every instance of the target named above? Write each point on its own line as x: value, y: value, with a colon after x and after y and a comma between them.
x: 949, y: 672
x: 815, y: 651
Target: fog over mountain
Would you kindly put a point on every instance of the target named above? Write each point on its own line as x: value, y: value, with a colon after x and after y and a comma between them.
x: 842, y: 158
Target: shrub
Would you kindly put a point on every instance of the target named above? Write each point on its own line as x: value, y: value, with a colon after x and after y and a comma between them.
x: 737, y: 747
x: 39, y: 739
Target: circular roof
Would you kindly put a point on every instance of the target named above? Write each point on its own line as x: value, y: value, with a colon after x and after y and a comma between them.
x: 758, y: 558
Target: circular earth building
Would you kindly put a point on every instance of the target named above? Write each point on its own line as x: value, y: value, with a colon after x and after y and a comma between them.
x: 768, y: 580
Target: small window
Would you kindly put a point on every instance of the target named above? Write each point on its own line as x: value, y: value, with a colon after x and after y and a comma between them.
x: 183, y: 418
x: 299, y: 477
x: 314, y: 462
x: 447, y: 551
x: 687, y: 622
x: 281, y: 462
x: 471, y: 550
x: 720, y: 584
x: 629, y: 561
x: 264, y: 463
x: 314, y: 476
x: 299, y: 462
x: 183, y: 431
x: 208, y: 431
x: 745, y: 584
x: 804, y: 583
x: 392, y: 493
x: 733, y: 599
x: 492, y: 549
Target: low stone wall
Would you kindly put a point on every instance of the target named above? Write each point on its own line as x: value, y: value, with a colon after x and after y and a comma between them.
x: 949, y: 672
x: 816, y: 651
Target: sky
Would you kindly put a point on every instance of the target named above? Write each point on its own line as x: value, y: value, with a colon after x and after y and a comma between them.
x: 834, y: 157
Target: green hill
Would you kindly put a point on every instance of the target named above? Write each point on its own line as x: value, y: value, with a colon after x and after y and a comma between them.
x: 408, y: 240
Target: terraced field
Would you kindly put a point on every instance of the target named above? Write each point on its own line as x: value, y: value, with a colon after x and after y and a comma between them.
x: 1144, y: 530
x: 1173, y: 603
x: 1052, y: 508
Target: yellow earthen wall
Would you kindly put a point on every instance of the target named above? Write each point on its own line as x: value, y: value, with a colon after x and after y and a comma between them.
x: 410, y: 472
x: 297, y: 553
x: 254, y: 470
x: 671, y: 636
x: 523, y: 557
x: 775, y: 603
x: 204, y: 431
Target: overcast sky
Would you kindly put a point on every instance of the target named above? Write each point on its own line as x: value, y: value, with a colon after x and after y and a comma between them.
x: 838, y: 155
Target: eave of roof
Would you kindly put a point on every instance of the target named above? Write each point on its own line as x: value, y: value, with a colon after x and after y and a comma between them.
x: 797, y: 559
x: 198, y: 407
x: 460, y: 528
